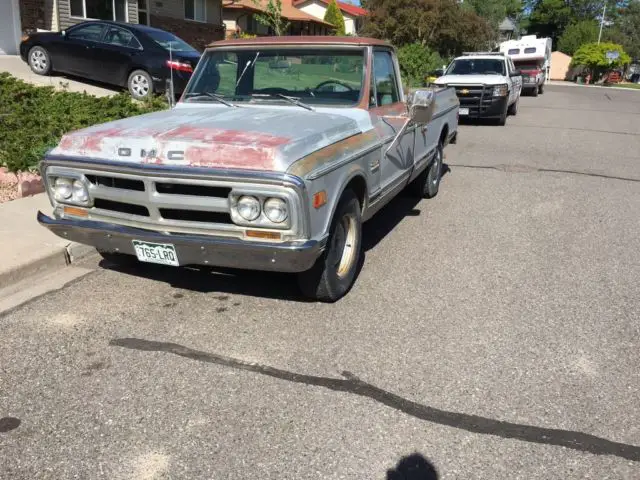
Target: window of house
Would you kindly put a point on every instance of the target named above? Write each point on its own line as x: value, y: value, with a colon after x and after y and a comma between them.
x: 143, y: 13
x: 385, y: 76
x: 100, y: 9
x: 195, y: 10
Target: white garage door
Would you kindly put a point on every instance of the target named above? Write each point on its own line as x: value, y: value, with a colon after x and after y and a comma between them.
x: 9, y: 27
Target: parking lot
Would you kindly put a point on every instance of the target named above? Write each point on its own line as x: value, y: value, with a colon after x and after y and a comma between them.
x: 493, y: 331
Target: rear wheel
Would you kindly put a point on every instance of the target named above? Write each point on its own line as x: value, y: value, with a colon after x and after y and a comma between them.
x: 39, y: 61
x: 541, y: 89
x: 427, y: 184
x: 334, y: 272
x: 534, y: 92
x: 140, y: 84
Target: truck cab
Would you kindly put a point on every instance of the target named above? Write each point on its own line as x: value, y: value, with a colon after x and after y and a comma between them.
x: 487, y: 84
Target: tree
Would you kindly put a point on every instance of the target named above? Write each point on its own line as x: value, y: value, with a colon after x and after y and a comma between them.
x: 416, y: 61
x: 272, y: 17
x: 593, y: 56
x: 628, y: 25
x: 334, y: 17
x: 441, y: 24
x: 495, y: 11
x: 577, y: 34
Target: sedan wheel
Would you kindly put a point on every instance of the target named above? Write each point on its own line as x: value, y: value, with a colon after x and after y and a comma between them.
x: 39, y: 61
x: 140, y: 84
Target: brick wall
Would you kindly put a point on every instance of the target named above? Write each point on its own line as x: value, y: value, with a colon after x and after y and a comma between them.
x: 32, y: 14
x: 195, y: 33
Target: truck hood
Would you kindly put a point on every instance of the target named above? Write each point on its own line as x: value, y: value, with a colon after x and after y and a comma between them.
x: 472, y: 80
x: 251, y: 138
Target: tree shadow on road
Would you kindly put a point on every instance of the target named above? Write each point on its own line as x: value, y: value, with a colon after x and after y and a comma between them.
x: 269, y: 284
x: 413, y: 467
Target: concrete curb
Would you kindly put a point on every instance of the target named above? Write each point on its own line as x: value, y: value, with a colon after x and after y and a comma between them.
x: 45, y: 264
x: 571, y: 84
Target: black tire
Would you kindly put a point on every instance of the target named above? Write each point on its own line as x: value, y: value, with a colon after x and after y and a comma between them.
x: 140, y: 84
x: 119, y: 259
x: 541, y: 89
x: 427, y: 184
x: 513, y: 108
x: 502, y: 121
x: 534, y: 92
x: 334, y: 273
x: 39, y: 60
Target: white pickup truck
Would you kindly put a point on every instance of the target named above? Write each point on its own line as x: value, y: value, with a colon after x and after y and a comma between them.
x: 488, y: 85
x: 278, y: 151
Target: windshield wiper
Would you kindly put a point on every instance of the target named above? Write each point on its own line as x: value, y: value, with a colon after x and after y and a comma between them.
x: 289, y: 99
x: 215, y: 96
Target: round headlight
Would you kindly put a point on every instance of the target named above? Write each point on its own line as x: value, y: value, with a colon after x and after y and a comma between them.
x: 248, y: 208
x: 80, y: 193
x: 276, y: 210
x: 63, y: 189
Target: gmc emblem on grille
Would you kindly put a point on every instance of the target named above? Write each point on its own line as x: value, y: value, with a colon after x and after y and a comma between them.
x: 149, y: 154
x: 464, y: 91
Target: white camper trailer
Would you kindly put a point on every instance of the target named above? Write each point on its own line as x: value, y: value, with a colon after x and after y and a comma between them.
x: 532, y: 56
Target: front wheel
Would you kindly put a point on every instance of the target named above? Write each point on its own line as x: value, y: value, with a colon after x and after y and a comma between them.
x: 335, y: 271
x: 513, y: 108
x: 140, y: 84
x: 541, y: 89
x: 39, y: 61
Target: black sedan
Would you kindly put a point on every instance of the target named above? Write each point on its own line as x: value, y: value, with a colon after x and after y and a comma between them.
x: 138, y: 57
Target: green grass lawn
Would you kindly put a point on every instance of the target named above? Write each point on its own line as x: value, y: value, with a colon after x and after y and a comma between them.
x: 633, y: 86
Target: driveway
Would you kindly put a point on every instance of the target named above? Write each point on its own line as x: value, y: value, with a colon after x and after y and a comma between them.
x: 493, y: 333
x: 14, y: 65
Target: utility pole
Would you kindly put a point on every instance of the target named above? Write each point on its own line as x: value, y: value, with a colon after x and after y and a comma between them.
x: 604, y: 12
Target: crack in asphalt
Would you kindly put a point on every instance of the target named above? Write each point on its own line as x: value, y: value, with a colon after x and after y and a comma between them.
x: 529, y: 169
x: 580, y: 441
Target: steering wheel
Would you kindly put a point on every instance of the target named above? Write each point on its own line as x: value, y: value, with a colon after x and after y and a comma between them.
x: 336, y: 82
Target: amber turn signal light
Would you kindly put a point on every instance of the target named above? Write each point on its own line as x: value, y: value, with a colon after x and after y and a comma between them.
x: 75, y: 211
x: 319, y: 199
x: 262, y: 234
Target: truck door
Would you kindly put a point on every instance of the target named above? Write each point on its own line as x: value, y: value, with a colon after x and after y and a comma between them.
x: 387, y: 109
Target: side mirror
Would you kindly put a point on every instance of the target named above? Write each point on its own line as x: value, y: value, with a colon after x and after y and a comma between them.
x: 421, y: 105
x: 516, y: 73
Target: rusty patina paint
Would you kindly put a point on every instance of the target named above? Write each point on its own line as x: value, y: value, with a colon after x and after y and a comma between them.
x: 334, y: 152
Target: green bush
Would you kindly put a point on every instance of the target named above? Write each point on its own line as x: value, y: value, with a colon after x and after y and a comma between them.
x: 33, y: 119
x: 593, y: 56
x: 416, y: 61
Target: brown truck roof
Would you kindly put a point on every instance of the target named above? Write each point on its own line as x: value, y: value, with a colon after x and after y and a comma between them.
x: 300, y: 40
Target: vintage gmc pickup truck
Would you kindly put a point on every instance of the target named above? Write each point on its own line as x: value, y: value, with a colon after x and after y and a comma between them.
x: 277, y: 151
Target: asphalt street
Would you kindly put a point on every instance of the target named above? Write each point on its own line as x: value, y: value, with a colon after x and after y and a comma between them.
x: 493, y: 333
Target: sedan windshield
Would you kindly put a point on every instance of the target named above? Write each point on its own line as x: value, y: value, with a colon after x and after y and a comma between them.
x: 169, y: 41
x: 476, y: 66
x: 315, y: 77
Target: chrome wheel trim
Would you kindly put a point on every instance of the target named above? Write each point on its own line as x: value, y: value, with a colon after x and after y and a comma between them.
x: 140, y: 85
x: 38, y: 60
x: 349, y: 226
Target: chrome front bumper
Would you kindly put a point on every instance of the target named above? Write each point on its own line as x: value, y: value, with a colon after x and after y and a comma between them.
x: 192, y: 249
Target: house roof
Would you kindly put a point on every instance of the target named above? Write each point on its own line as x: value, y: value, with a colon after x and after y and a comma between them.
x: 300, y: 40
x: 507, y: 25
x: 353, y: 10
x: 288, y: 10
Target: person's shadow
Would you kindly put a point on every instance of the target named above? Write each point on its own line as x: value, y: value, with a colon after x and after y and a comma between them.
x: 413, y: 467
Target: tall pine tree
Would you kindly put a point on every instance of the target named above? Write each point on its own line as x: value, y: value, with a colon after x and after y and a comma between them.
x: 334, y: 17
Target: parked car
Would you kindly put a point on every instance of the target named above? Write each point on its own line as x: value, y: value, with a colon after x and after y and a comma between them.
x: 487, y: 84
x: 133, y: 56
x: 273, y: 157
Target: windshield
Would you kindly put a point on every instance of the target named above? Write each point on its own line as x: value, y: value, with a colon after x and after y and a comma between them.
x: 476, y: 66
x: 320, y: 77
x: 166, y: 39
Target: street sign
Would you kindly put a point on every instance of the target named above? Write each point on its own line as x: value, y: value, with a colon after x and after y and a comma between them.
x: 613, y: 55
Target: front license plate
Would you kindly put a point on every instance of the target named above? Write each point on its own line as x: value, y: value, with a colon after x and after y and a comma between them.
x: 161, y: 253
x: 464, y: 111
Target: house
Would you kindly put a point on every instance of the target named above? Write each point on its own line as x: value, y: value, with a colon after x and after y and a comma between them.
x: 508, y: 30
x: 197, y: 22
x: 353, y: 15
x: 239, y: 16
x: 560, y: 66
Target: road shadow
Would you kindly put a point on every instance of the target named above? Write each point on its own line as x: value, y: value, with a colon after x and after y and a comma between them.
x: 271, y: 285
x: 413, y: 467
x: 479, y: 122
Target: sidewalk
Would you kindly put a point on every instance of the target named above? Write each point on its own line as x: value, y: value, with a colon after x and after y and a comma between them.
x: 14, y: 65
x: 572, y: 84
x: 28, y: 248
